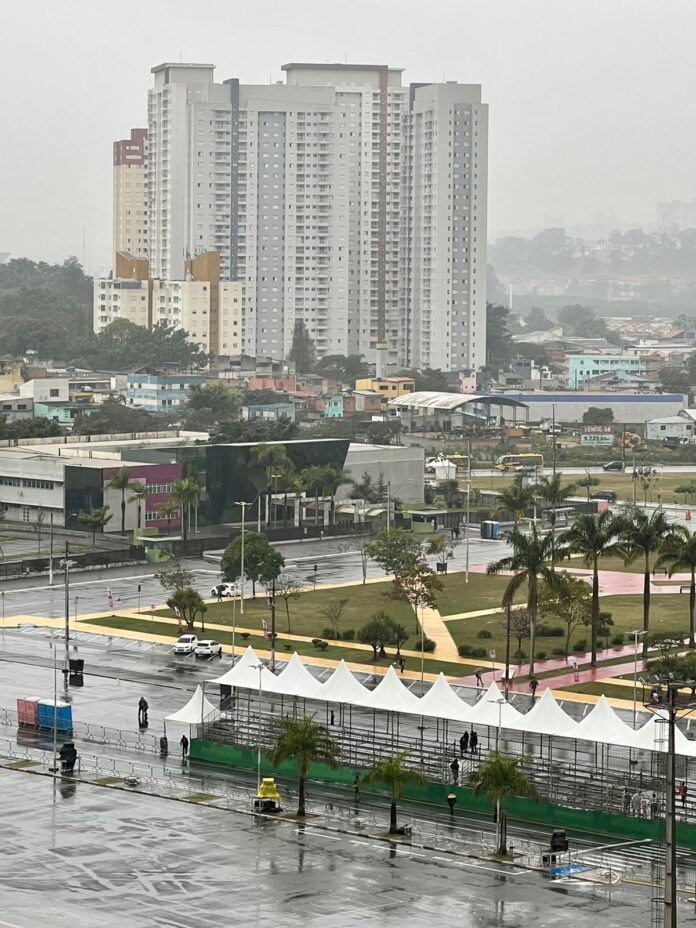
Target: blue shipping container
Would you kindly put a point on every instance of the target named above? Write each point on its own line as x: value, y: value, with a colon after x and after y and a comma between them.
x: 61, y: 712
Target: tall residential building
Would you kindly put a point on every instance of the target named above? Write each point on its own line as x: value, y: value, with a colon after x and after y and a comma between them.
x: 340, y: 197
x: 130, y: 195
x: 188, y: 168
x: 676, y: 216
x: 446, y: 226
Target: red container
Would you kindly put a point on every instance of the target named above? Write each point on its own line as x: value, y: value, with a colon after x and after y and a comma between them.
x: 27, y: 711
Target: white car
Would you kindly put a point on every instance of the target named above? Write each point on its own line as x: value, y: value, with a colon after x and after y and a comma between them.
x: 208, y: 648
x: 186, y: 644
x: 223, y: 589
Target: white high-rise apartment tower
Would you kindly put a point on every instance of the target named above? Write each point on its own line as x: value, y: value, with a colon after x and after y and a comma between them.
x: 189, y: 167
x: 340, y: 198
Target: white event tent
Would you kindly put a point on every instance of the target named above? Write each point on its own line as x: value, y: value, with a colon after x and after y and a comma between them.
x: 602, y: 725
x: 546, y: 718
x: 194, y: 712
x: 441, y: 702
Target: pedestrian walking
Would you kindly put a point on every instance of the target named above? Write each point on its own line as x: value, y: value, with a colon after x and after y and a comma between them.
x: 479, y: 679
x: 142, y: 712
x: 464, y: 743
x: 473, y: 741
x: 454, y: 767
x: 683, y: 793
x: 635, y: 804
x: 219, y: 593
x: 333, y: 718
x: 533, y: 683
x: 184, y: 747
x: 653, y: 805
x: 402, y: 664
x: 356, y: 787
x: 451, y: 802
x: 626, y: 801
x: 644, y: 807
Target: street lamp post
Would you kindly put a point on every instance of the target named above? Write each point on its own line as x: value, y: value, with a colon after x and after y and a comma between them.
x: 273, y: 625
x: 259, y: 667
x: 553, y: 436
x: 243, y: 504
x: 66, y: 564
x: 468, y: 512
x: 636, y: 634
x: 275, y: 477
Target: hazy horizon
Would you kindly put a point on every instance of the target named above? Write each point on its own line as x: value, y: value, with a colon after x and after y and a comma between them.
x: 589, y: 109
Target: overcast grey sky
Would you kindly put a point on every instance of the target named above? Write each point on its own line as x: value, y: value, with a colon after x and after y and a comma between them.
x: 592, y: 102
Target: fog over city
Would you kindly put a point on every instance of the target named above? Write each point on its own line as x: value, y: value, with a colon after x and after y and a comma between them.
x: 591, y: 114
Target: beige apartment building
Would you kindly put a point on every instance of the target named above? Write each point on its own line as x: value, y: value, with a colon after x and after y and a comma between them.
x: 130, y: 195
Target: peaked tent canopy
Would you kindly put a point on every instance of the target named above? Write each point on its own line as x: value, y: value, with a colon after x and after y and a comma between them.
x: 441, y: 702
x: 492, y: 709
x: 245, y: 673
x: 392, y: 696
x: 296, y: 680
x: 343, y: 687
x: 195, y: 710
x: 603, y: 724
x: 546, y: 718
x: 653, y: 737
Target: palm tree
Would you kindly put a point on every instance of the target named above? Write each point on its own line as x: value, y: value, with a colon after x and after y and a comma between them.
x: 640, y: 536
x: 94, y: 519
x: 168, y: 510
x: 499, y: 778
x: 392, y: 772
x: 186, y: 492
x: 550, y: 489
x: 515, y: 499
x: 121, y: 481
x: 313, y: 480
x: 139, y: 495
x: 530, y: 554
x: 679, y: 552
x: 306, y: 742
x: 334, y: 477
x: 592, y: 537
x: 273, y: 458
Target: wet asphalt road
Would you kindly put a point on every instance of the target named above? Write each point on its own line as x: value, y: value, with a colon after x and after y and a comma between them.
x: 84, y: 856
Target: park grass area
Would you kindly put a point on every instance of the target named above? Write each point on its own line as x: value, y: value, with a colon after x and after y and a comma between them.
x: 305, y: 611
x: 669, y: 614
x: 481, y: 592
x: 334, y: 652
x: 662, y: 487
x: 603, y: 689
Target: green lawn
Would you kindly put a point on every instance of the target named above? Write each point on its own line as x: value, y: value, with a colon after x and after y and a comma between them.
x: 606, y: 689
x: 305, y: 614
x: 481, y: 592
x: 333, y: 652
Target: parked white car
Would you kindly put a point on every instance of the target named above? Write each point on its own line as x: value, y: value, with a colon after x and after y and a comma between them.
x: 208, y: 648
x: 224, y: 590
x: 186, y: 644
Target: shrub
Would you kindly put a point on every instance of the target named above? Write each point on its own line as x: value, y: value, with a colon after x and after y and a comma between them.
x: 287, y: 646
x: 329, y: 633
x: 428, y: 645
x: 618, y: 638
x: 484, y: 633
x: 348, y: 635
x: 323, y: 645
x: 520, y: 654
x: 550, y: 631
x: 465, y: 650
x: 580, y: 645
x: 558, y: 652
x: 541, y: 655
x: 244, y: 635
x: 316, y: 642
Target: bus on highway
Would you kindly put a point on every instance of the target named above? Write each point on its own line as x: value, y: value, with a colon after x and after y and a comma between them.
x: 508, y: 462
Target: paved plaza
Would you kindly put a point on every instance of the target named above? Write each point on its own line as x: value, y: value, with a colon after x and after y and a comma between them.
x: 80, y: 855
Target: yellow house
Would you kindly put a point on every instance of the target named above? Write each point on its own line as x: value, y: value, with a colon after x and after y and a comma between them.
x: 10, y: 376
x: 388, y: 388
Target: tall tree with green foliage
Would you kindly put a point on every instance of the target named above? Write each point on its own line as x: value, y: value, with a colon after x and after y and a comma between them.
x: 499, y: 344
x: 555, y: 493
x: 678, y: 553
x: 189, y: 604
x: 113, y: 417
x: 516, y: 500
x: 302, y: 350
x: 499, y: 778
x: 305, y: 742
x: 139, y: 491
x: 345, y: 369
x: 592, y: 537
x: 262, y: 563
x: 641, y: 536
x: 186, y: 492
x: 393, y: 772
x: 530, y: 562
x: 570, y: 604
x: 123, y: 346
x: 94, y: 520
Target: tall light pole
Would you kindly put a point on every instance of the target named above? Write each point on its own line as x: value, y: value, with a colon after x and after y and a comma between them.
x: 553, y: 436
x: 637, y: 632
x: 50, y: 551
x: 259, y: 667
x: 274, y: 477
x: 468, y: 511
x: 388, y: 505
x: 66, y: 564
x: 243, y: 504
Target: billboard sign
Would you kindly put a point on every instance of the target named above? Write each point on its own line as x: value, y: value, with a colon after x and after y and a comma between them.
x: 597, y: 435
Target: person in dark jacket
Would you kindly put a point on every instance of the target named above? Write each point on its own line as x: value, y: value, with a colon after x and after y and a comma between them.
x: 184, y: 747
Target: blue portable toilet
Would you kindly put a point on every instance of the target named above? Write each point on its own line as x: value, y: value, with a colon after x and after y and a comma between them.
x: 61, y: 712
x: 495, y: 530
x: 485, y: 529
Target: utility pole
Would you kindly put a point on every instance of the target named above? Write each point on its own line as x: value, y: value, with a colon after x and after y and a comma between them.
x: 273, y: 624
x: 388, y: 505
x: 670, y: 816
x: 243, y: 504
x: 66, y: 564
x: 50, y: 551
x: 468, y: 510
